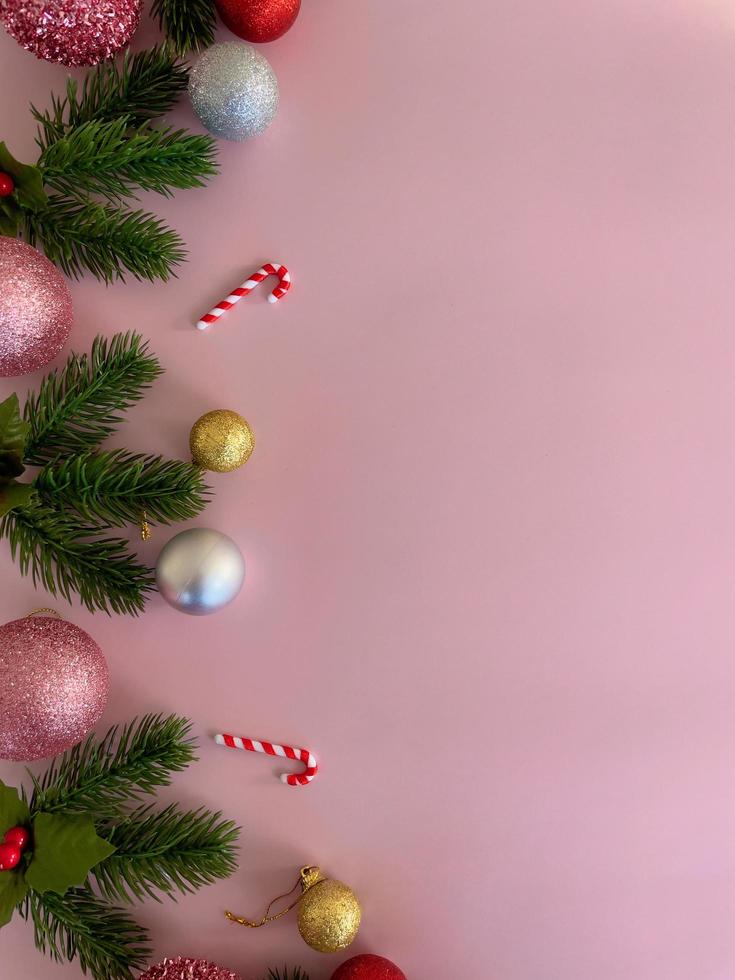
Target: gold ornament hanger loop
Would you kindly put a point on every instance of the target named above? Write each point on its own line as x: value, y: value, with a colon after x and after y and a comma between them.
x: 309, y: 876
x: 43, y: 610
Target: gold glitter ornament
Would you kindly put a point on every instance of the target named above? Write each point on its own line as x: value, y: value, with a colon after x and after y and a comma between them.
x: 221, y: 441
x: 329, y: 912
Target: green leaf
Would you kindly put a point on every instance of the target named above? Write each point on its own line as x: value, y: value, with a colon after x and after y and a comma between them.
x: 65, y: 849
x: 13, y: 890
x: 14, y: 431
x: 10, y: 217
x: 14, y: 494
x: 28, y: 181
x: 13, y: 810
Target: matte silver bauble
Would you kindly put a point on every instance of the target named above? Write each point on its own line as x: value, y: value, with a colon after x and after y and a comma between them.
x: 199, y: 571
x: 234, y: 91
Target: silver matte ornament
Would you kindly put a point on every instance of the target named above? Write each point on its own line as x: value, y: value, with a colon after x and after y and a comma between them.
x: 234, y: 91
x: 199, y: 571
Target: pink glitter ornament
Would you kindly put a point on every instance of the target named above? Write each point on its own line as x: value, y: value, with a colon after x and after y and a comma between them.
x: 35, y: 309
x: 53, y: 687
x: 74, y: 32
x: 185, y: 969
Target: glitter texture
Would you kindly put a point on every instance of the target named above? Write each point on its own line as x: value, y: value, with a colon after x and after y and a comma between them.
x: 53, y: 687
x: 183, y: 968
x: 199, y: 571
x: 329, y: 916
x: 74, y: 32
x: 234, y: 91
x: 368, y: 967
x: 35, y: 309
x: 258, y: 20
x: 221, y: 441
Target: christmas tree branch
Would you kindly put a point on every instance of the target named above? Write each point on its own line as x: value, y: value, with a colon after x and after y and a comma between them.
x: 65, y: 557
x: 81, y: 404
x: 143, y: 86
x: 107, y: 942
x: 168, y: 851
x: 101, y: 776
x: 115, y: 488
x: 106, y: 158
x: 188, y: 24
x: 106, y: 241
x: 296, y: 974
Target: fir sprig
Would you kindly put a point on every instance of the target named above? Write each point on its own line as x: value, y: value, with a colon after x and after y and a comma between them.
x: 188, y: 24
x: 115, y: 488
x: 141, y: 87
x: 68, y: 557
x: 296, y: 974
x: 166, y: 851
x: 79, y: 406
x: 107, y: 159
x: 105, y: 240
x: 101, y: 776
x: 108, y: 943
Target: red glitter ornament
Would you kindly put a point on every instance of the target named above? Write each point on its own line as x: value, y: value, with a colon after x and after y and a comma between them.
x: 74, y: 32
x: 368, y: 967
x: 9, y: 857
x: 258, y: 20
x: 7, y: 184
x: 18, y: 837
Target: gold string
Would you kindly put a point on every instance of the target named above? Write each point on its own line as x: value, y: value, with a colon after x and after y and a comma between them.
x: 145, y: 528
x: 308, y: 878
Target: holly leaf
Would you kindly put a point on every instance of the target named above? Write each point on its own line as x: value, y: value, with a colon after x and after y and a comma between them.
x: 10, y: 214
x: 65, y: 849
x: 28, y: 180
x: 14, y: 494
x: 13, y: 890
x: 13, y: 437
x: 13, y: 811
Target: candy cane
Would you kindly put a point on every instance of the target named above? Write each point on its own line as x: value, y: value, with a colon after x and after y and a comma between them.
x: 270, y: 269
x: 270, y: 748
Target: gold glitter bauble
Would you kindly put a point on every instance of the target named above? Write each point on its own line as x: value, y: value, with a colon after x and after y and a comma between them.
x: 221, y: 441
x: 329, y: 916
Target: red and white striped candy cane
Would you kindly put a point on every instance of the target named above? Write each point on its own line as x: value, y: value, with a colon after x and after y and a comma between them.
x: 270, y: 269
x: 270, y: 748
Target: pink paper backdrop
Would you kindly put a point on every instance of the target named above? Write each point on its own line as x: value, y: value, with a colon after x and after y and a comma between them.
x: 489, y: 521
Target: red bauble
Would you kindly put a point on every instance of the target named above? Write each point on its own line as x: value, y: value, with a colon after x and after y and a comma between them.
x: 7, y: 184
x: 18, y: 837
x: 258, y: 20
x: 368, y: 967
x: 9, y: 857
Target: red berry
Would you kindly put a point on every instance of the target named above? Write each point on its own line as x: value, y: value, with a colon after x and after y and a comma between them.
x: 9, y: 857
x: 18, y: 836
x: 7, y: 184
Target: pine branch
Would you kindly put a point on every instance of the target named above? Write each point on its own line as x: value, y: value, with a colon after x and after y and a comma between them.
x: 107, y: 942
x: 114, y: 488
x: 66, y: 557
x: 188, y: 24
x: 164, y: 852
x: 106, y: 158
x: 79, y: 406
x: 143, y: 86
x: 296, y: 974
x: 101, y: 776
x: 106, y: 241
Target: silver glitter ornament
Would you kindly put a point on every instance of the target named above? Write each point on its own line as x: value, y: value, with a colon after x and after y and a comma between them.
x: 234, y: 91
x: 199, y: 571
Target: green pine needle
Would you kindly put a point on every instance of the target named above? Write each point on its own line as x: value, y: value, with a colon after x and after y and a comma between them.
x: 168, y: 851
x: 296, y: 974
x: 68, y: 557
x: 106, y: 158
x: 104, y: 240
x: 80, y: 405
x: 101, y: 776
x: 142, y: 87
x: 188, y: 24
x: 115, y: 488
x: 106, y: 941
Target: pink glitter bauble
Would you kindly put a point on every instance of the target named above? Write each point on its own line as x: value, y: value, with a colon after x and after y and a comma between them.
x: 185, y: 969
x: 74, y: 32
x: 53, y: 687
x: 35, y: 309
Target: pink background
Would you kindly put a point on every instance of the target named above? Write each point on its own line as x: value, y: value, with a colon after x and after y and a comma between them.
x: 489, y: 520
